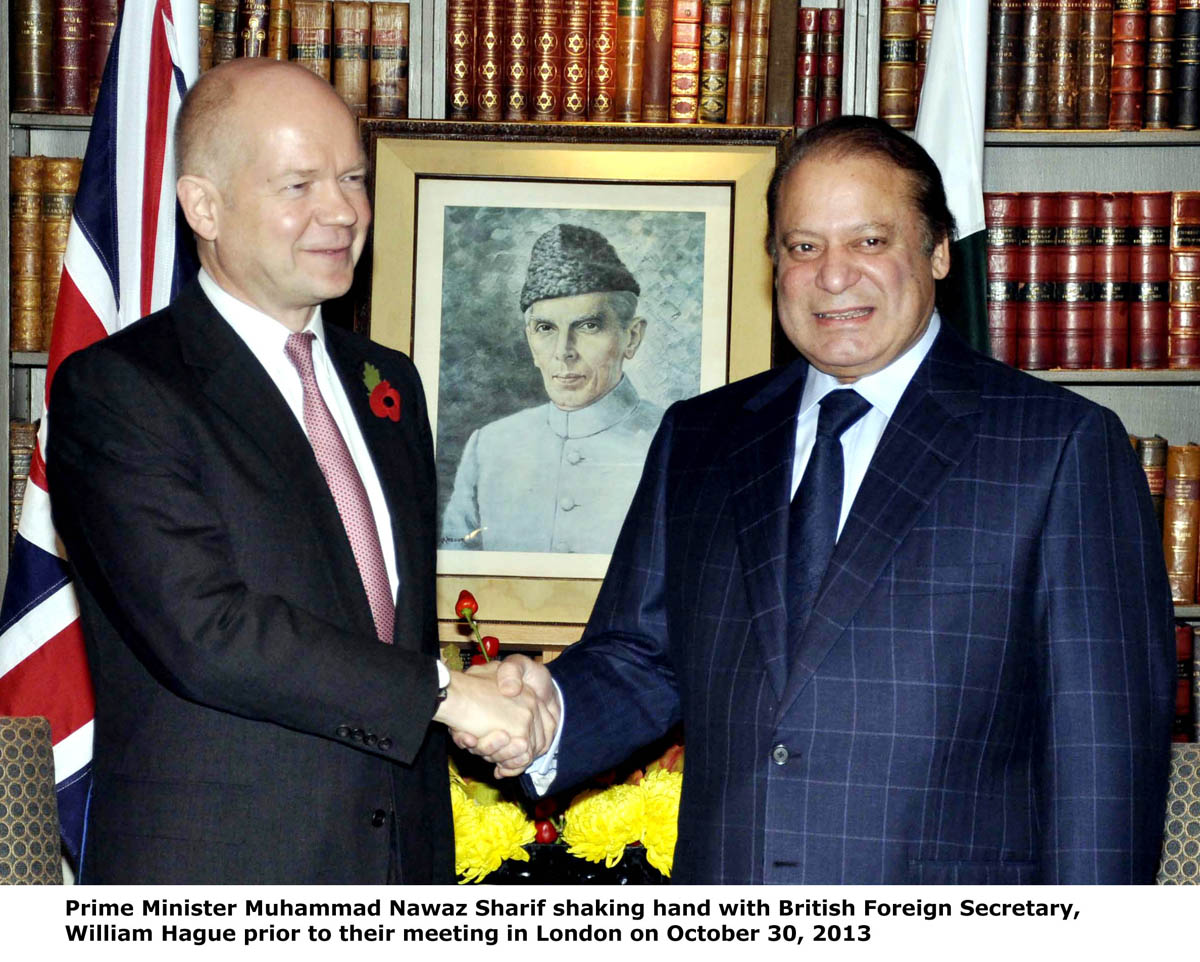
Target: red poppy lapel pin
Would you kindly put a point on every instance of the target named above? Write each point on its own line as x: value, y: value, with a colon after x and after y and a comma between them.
x: 384, y: 399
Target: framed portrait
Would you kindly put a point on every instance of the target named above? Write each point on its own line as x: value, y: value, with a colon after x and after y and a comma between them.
x: 558, y: 287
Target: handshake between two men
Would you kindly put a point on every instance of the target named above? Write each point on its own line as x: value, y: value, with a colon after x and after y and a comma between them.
x: 505, y: 712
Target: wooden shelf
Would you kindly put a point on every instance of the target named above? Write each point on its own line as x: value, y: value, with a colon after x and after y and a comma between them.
x: 1187, y: 611
x: 1092, y: 138
x: 51, y: 121
x: 29, y: 358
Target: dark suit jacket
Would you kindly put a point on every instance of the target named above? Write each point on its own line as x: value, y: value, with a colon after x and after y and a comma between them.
x: 983, y: 693
x: 249, y: 725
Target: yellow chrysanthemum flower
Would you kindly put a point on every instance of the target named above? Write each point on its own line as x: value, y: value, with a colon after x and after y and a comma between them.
x: 486, y: 834
x: 599, y: 824
x: 661, y: 790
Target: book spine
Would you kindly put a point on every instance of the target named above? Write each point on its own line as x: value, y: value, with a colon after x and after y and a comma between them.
x: 1160, y: 27
x: 489, y: 60
x: 312, y: 35
x: 253, y: 16
x: 1196, y: 680
x: 898, y: 63
x: 71, y: 33
x: 739, y: 61
x: 547, y: 59
x: 1181, y: 725
x: 829, y: 69
x: 1185, y: 78
x: 780, y: 90
x: 631, y: 48
x: 576, y: 16
x: 1127, y: 81
x: 1149, y: 278
x: 32, y: 42
x: 225, y: 31
x: 602, y: 91
x: 1095, y: 54
x: 1032, y: 86
x: 103, y: 26
x: 204, y: 34
x: 756, y: 69
x: 685, y: 61
x: 1181, y: 520
x: 1183, y: 345
x: 460, y: 56
x: 1152, y: 454
x: 808, y: 66
x: 1075, y: 269
x: 60, y: 181
x: 1036, y: 337
x: 656, y: 68
x: 1062, y: 82
x: 714, y: 60
x: 1004, y: 63
x: 279, y: 29
x: 22, y: 438
x: 25, y: 252
x: 1110, y: 285
x: 351, y: 63
x: 518, y: 59
x: 926, y: 14
x: 387, y: 95
x: 1002, y: 215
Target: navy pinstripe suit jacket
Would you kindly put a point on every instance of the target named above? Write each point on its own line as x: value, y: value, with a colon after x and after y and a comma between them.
x: 983, y: 693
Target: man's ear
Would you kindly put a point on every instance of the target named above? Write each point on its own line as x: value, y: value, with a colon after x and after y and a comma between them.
x: 939, y: 261
x: 200, y: 202
x: 635, y: 332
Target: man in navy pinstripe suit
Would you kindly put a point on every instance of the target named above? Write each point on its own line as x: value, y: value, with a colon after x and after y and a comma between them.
x: 980, y: 689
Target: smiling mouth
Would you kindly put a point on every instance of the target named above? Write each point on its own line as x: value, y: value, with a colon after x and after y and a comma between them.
x: 850, y: 315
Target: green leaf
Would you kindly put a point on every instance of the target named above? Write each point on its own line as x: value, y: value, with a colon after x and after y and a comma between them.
x: 371, y: 376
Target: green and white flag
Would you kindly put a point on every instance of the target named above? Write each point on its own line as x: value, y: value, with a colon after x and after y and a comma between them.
x: 950, y: 127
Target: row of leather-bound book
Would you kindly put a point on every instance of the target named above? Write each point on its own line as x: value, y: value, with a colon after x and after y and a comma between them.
x: 1086, y: 279
x: 59, y: 48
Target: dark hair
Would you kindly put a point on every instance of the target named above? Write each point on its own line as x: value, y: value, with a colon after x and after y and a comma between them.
x: 857, y: 135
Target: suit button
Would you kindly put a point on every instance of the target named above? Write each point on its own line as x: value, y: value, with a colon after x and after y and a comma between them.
x: 780, y: 754
x: 378, y: 817
x: 356, y: 734
x: 343, y: 731
x: 385, y: 744
x: 369, y: 738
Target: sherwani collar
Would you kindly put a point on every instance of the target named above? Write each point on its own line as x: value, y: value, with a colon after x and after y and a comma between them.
x: 598, y: 416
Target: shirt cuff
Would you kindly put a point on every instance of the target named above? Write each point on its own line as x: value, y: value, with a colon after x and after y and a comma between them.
x: 544, y: 768
x: 443, y: 674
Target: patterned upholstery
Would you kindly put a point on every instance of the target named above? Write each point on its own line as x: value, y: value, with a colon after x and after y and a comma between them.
x: 1181, y: 841
x: 29, y: 848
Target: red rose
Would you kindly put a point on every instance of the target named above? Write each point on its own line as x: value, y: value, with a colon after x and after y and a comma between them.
x: 385, y: 401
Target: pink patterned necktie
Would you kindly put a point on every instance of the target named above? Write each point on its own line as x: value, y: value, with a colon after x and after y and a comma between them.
x: 345, y: 485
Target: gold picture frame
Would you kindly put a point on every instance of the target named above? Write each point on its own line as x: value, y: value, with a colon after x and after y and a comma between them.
x: 417, y: 165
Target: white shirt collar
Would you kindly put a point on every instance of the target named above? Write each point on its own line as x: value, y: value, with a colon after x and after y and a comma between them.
x: 264, y: 335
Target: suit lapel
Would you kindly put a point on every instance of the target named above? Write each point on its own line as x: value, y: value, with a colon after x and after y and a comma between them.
x: 930, y: 432
x: 761, y: 469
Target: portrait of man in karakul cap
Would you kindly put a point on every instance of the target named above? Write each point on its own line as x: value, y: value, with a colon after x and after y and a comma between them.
x: 559, y: 477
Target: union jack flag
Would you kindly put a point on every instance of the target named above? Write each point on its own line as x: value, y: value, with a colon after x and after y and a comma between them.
x: 127, y: 255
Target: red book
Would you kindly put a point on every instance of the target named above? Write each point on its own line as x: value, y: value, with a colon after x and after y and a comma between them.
x: 547, y: 59
x: 631, y: 53
x: 460, y: 57
x: 489, y: 60
x: 1181, y: 726
x: 714, y: 60
x: 829, y: 71
x: 808, y: 55
x: 1002, y: 213
x: 756, y: 71
x: 739, y: 61
x: 1149, y: 278
x: 1183, y: 348
x: 1076, y: 265
x: 575, y: 60
x: 102, y: 26
x: 656, y: 67
x: 518, y: 62
x: 1110, y: 285
x: 602, y: 106
x: 1036, y: 340
x: 685, y: 62
x: 72, y: 31
x: 1127, y: 81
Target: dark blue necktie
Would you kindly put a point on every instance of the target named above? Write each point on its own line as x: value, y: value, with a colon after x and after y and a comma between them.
x: 817, y: 506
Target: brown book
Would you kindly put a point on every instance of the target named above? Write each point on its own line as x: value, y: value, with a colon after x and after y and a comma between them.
x: 1076, y: 267
x: 808, y: 57
x: 685, y: 62
x: 898, y: 63
x: 1039, y: 259
x: 1110, y: 285
x: 656, y: 67
x: 252, y: 28
x: 1185, y: 75
x: 489, y: 60
x: 460, y: 58
x: 22, y: 439
x: 387, y: 95
x: 72, y: 33
x: 756, y: 70
x: 518, y: 59
x: 739, y: 61
x: 1160, y: 28
x: 1183, y: 344
x: 1127, y: 81
x: 714, y: 60
x: 60, y: 180
x: 1149, y: 278
x: 1152, y: 454
x: 602, y: 68
x: 1062, y: 83
x: 32, y: 43
x: 576, y: 16
x: 780, y: 90
x: 204, y: 34
x: 351, y: 59
x: 1002, y: 214
x: 1005, y: 23
x: 829, y: 70
x: 1095, y: 54
x: 103, y: 24
x: 25, y: 252
x: 547, y: 59
x: 1181, y: 725
x: 631, y: 48
x: 1034, y: 77
x: 225, y: 31
x: 279, y: 29
x: 1181, y: 520
x: 926, y: 13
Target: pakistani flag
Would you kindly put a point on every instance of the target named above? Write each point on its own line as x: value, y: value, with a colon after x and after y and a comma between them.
x: 950, y: 127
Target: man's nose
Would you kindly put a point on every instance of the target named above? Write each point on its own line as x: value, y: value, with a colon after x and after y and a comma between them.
x: 836, y: 271
x: 336, y: 207
x: 564, y: 347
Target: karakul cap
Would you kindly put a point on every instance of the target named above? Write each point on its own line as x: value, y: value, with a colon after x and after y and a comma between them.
x: 569, y: 260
